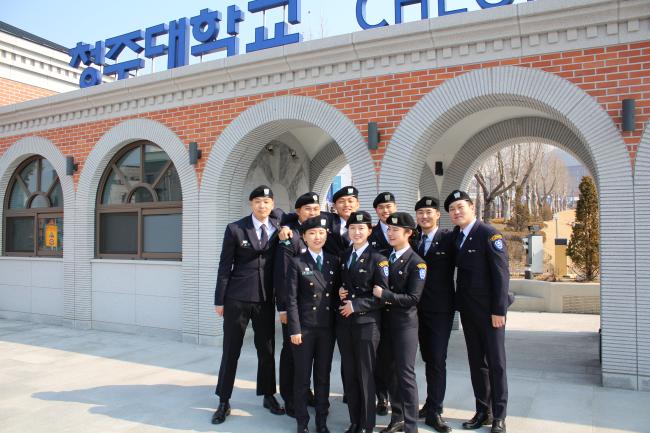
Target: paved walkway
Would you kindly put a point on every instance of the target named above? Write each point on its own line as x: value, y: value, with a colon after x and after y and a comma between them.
x: 55, y: 379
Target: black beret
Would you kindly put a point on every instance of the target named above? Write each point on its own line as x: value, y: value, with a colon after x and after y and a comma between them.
x: 345, y: 191
x: 427, y: 201
x: 401, y: 219
x: 313, y: 223
x: 359, y: 217
x: 384, y: 197
x: 455, y: 196
x: 307, y: 198
x: 261, y: 191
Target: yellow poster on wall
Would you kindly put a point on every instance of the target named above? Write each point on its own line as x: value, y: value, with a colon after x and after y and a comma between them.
x: 51, y: 235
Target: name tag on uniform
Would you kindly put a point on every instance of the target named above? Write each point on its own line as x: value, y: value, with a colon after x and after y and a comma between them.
x: 303, y: 250
x: 308, y: 271
x: 362, y: 270
x: 245, y: 243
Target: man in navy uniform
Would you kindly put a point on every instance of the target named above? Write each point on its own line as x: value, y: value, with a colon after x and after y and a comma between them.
x: 358, y: 322
x: 436, y: 307
x: 243, y: 293
x: 346, y: 201
x: 384, y: 205
x: 307, y: 206
x: 312, y: 281
x: 482, y: 298
x: 407, y: 274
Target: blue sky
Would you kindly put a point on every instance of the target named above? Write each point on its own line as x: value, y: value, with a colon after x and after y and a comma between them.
x: 67, y: 22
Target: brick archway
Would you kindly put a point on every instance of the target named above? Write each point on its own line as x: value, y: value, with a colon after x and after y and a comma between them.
x: 221, y: 186
x: 110, y: 143
x: 560, y: 100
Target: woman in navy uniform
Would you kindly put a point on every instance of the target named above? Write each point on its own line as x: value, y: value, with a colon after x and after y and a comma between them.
x: 436, y: 307
x: 312, y: 281
x: 307, y: 206
x: 482, y: 298
x: 384, y: 205
x: 243, y: 293
x: 358, y: 322
x: 407, y: 274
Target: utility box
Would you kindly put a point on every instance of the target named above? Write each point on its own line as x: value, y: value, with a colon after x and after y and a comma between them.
x: 535, y: 259
x: 560, y: 257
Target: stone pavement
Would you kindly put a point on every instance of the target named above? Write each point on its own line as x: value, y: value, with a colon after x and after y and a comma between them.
x: 55, y: 379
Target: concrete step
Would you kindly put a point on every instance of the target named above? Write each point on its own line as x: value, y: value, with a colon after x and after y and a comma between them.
x: 528, y: 303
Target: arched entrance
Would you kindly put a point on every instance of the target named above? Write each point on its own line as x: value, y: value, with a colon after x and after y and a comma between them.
x: 223, y: 193
x: 444, y: 121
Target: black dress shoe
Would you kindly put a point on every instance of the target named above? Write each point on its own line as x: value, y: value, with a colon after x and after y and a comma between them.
x: 382, y: 407
x: 289, y: 410
x: 498, y: 426
x: 352, y: 429
x: 479, y: 419
x: 393, y: 427
x: 272, y: 405
x: 303, y: 430
x: 311, y: 400
x: 221, y: 413
x: 437, y: 423
x: 422, y: 413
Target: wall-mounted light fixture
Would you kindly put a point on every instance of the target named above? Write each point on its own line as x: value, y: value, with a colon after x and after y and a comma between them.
x: 293, y: 154
x: 373, y: 135
x: 627, y: 112
x: 438, y: 168
x: 269, y: 148
x: 195, y: 153
x: 70, y: 165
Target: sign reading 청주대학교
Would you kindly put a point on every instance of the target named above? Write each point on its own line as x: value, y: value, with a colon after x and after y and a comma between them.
x: 205, y: 29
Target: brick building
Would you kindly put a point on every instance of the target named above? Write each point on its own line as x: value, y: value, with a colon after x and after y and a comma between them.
x: 452, y: 90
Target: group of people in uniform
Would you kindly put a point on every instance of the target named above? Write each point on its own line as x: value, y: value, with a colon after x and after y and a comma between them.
x: 378, y: 292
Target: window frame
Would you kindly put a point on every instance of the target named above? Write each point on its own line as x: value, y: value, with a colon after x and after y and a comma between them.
x: 35, y: 213
x: 140, y: 209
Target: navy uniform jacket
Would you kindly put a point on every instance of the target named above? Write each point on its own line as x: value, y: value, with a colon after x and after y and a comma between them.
x: 438, y: 294
x: 405, y: 285
x: 292, y: 247
x: 378, y: 241
x: 336, y: 244
x: 483, y: 275
x: 312, y: 294
x: 245, y: 270
x: 370, y: 269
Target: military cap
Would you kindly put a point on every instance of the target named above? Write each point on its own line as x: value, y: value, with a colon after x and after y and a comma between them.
x: 455, y: 196
x: 359, y: 217
x: 261, y: 191
x: 427, y: 202
x: 307, y: 198
x: 384, y: 197
x: 401, y: 219
x: 345, y: 191
x: 317, y: 222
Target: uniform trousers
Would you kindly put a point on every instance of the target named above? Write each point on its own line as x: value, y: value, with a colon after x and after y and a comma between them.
x: 358, y: 346
x: 487, y: 362
x: 316, y: 350
x: 236, y: 316
x: 435, y: 330
x: 403, y: 388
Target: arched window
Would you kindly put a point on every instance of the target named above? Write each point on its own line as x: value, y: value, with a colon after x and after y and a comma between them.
x: 33, y: 211
x: 139, y: 206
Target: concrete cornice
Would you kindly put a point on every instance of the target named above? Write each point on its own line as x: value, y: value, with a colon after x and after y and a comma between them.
x: 498, y: 33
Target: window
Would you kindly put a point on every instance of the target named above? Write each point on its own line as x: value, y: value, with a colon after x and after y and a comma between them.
x: 33, y: 211
x: 139, y: 206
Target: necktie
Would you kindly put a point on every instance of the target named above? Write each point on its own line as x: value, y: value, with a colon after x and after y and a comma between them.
x: 319, y: 263
x: 264, y: 238
x: 392, y: 258
x: 459, y: 240
x: 353, y: 259
x: 422, y: 247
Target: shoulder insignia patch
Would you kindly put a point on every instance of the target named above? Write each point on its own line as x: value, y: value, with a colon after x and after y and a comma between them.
x: 498, y: 244
x: 422, y: 265
x: 383, y: 263
x: 496, y: 237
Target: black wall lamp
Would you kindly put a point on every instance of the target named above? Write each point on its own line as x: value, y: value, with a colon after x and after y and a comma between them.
x: 195, y: 152
x: 70, y: 165
x: 373, y: 135
x: 438, y: 169
x: 627, y: 112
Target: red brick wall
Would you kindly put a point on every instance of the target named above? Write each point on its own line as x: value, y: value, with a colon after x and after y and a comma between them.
x: 12, y: 92
x: 609, y: 74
